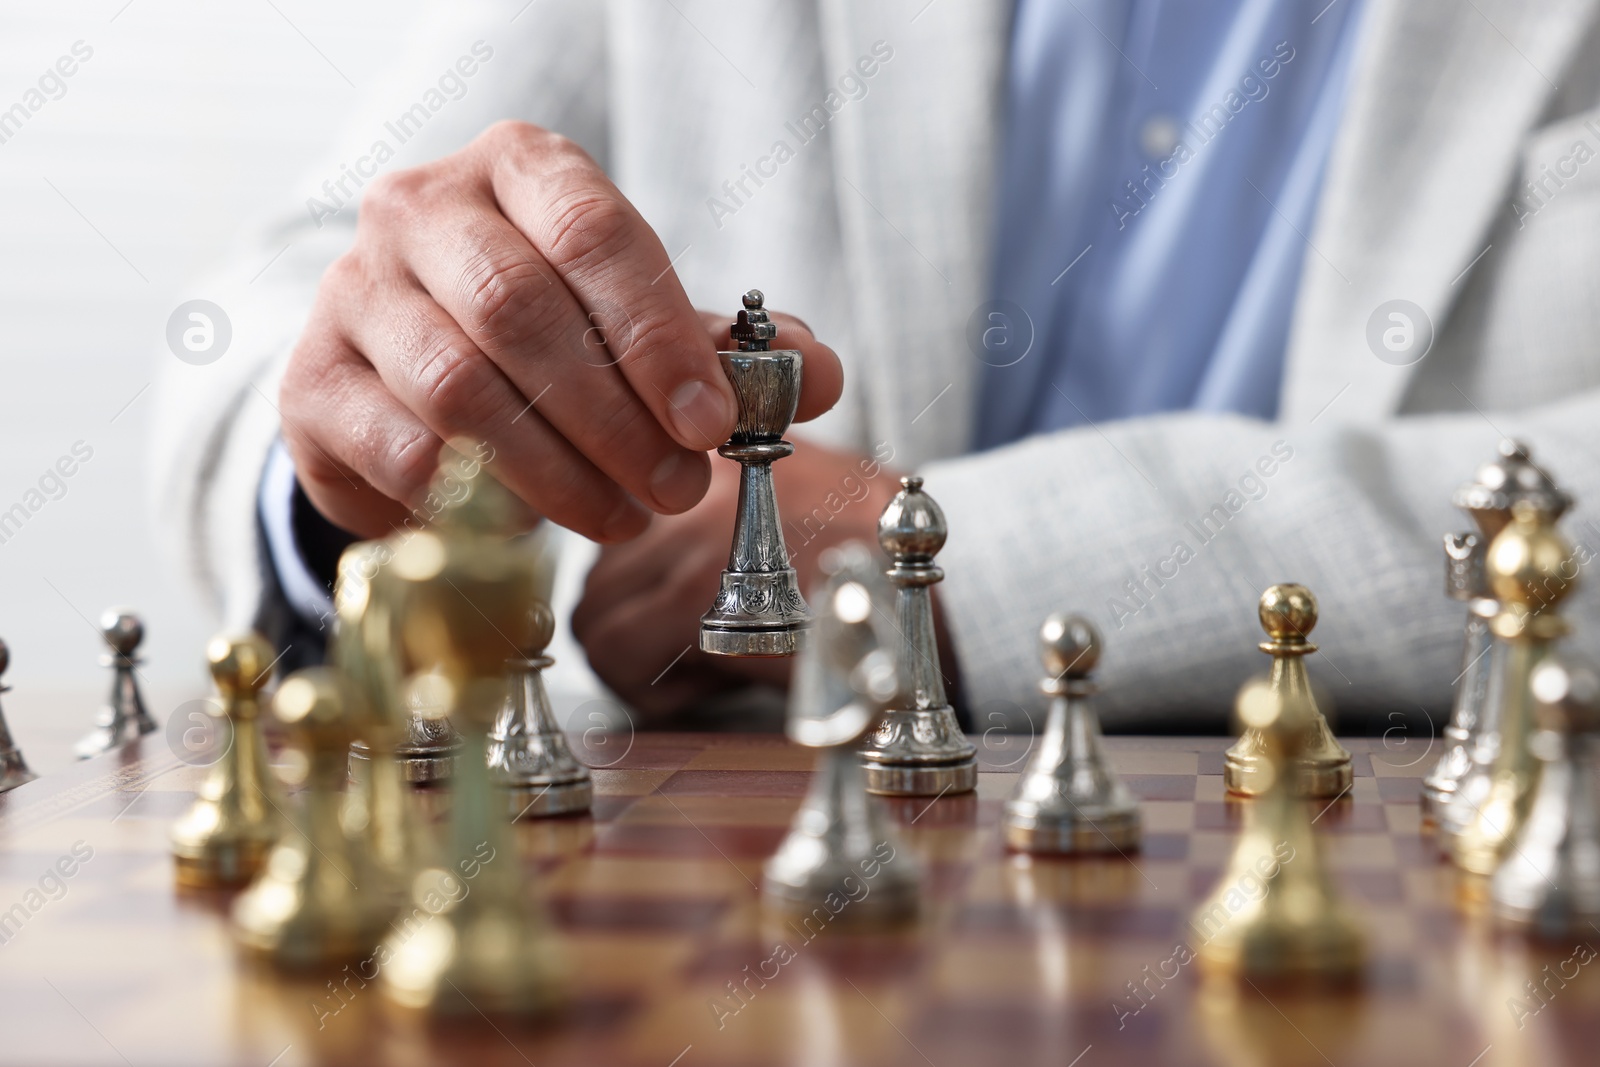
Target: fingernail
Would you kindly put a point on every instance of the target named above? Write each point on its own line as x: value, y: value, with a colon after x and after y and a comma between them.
x: 701, y: 414
x: 679, y: 481
x: 627, y: 520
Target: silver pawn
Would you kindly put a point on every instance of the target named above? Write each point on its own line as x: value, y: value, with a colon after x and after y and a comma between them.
x: 1068, y: 799
x: 123, y: 717
x: 528, y: 753
x: 1549, y: 881
x: 13, y: 768
x: 1510, y: 478
x: 759, y: 610
x: 841, y: 859
x: 1464, y: 580
x: 918, y: 748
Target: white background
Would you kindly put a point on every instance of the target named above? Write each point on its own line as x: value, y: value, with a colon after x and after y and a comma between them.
x: 192, y: 119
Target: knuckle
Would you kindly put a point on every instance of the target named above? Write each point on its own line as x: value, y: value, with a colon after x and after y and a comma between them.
x: 586, y: 226
x: 455, y: 385
x: 399, y: 196
x: 496, y: 298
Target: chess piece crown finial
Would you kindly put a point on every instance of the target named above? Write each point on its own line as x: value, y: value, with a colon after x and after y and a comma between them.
x: 1502, y: 483
x: 1069, y: 646
x: 753, y: 330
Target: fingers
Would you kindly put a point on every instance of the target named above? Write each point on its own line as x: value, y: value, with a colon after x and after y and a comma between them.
x: 602, y: 249
x: 358, y: 453
x: 546, y: 352
x: 434, y: 370
x: 821, y: 375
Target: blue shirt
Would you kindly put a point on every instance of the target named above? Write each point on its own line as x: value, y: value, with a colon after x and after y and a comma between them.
x: 1158, y: 186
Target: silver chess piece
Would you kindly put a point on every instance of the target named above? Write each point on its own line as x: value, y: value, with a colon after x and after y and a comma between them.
x: 1549, y: 880
x: 918, y: 748
x: 1499, y: 487
x: 1068, y: 799
x: 13, y: 768
x: 759, y: 610
x: 841, y: 860
x: 1464, y: 580
x: 124, y: 716
x: 528, y: 753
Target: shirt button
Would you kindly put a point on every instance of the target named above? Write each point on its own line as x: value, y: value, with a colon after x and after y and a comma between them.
x: 1158, y: 136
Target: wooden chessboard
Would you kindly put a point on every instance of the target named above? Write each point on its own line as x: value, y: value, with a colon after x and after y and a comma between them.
x: 1013, y: 962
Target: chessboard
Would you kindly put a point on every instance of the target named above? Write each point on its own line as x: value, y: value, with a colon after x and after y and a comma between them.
x: 1067, y: 962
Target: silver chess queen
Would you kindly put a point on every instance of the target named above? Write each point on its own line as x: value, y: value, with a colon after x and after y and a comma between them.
x: 759, y: 610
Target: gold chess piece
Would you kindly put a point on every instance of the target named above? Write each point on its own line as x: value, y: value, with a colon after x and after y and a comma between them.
x: 1068, y: 799
x: 1549, y: 881
x: 366, y: 651
x: 1288, y: 614
x: 484, y: 944
x: 13, y: 768
x: 1275, y: 916
x: 1459, y: 785
x: 236, y: 818
x: 1528, y: 567
x: 315, y: 902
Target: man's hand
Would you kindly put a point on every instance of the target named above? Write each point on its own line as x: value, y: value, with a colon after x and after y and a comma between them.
x: 639, y: 619
x: 510, y: 293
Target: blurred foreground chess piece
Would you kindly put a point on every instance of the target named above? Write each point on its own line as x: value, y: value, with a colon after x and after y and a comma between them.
x: 1549, y: 880
x: 1531, y: 569
x: 365, y: 649
x: 1068, y: 799
x: 1288, y: 614
x: 759, y: 610
x: 1499, y: 486
x: 483, y: 943
x: 528, y: 754
x: 841, y: 861
x: 124, y: 717
x: 1274, y: 916
x: 315, y: 902
x: 918, y: 748
x: 13, y: 768
x: 237, y: 816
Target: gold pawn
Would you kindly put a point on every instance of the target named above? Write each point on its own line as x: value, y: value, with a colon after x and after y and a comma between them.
x: 237, y: 816
x: 1274, y: 916
x: 1526, y: 565
x: 316, y: 902
x: 1288, y: 614
x: 474, y: 938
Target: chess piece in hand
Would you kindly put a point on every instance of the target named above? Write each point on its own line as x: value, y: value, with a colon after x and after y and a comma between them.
x: 639, y: 619
x: 509, y: 292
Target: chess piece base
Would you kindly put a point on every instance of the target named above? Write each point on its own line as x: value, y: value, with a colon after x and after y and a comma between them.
x: 885, y: 905
x: 722, y: 642
x: 557, y: 798
x: 1072, y: 835
x: 417, y: 768
x: 14, y: 770
x: 1316, y: 781
x: 1325, y: 952
x: 221, y: 865
x: 920, y: 779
